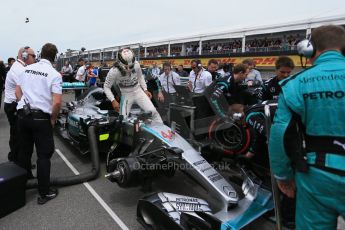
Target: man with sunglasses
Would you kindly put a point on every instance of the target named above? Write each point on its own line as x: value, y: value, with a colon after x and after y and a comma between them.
x: 127, y: 75
x: 199, y: 78
x: 26, y: 56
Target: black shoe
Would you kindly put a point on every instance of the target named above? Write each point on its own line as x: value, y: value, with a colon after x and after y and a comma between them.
x: 53, y: 192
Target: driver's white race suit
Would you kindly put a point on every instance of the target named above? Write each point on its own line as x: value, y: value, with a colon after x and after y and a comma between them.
x: 132, y: 87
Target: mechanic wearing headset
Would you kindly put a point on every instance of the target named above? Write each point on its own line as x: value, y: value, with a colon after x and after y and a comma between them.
x: 127, y: 74
x: 26, y: 56
x: 315, y: 100
x: 39, y: 92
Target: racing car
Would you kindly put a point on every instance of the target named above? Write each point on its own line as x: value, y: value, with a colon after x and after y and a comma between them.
x: 138, y: 150
x: 143, y: 149
x: 74, y: 120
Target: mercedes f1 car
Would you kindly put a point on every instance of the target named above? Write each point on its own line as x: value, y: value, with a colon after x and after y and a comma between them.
x: 138, y: 150
x: 74, y: 120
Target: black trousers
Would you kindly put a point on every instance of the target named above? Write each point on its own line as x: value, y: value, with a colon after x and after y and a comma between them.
x: 1, y: 89
x: 11, y: 113
x: 36, y: 129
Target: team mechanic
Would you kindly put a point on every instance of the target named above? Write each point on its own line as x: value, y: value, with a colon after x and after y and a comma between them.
x: 26, y: 56
x: 127, y: 74
x: 231, y: 88
x: 270, y: 91
x: 39, y: 90
x: 315, y: 98
x: 255, y: 119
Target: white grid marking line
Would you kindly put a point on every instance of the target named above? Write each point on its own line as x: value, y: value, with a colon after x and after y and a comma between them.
x: 94, y: 193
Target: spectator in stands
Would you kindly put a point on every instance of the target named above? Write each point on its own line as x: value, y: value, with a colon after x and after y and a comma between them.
x: 211, y: 48
x: 181, y: 72
x: 189, y: 50
x: 212, y: 68
x: 254, y: 76
x: 198, y: 49
x: 206, y: 48
x: 199, y: 78
x: 219, y: 47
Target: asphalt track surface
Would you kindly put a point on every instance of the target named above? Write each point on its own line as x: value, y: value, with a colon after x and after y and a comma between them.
x: 98, y: 204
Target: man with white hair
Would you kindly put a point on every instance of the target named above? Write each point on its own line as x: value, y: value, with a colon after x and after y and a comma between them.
x: 26, y: 56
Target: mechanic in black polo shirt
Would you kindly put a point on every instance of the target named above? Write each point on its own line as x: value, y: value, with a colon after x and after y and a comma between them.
x: 271, y: 88
x: 228, y: 91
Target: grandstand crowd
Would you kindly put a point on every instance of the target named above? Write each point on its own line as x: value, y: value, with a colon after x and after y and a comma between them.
x: 283, y: 42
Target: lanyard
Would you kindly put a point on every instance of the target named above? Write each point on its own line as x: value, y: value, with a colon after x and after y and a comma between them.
x: 172, y: 78
x: 197, y: 76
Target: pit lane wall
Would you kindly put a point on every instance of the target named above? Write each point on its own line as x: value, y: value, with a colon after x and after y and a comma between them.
x: 261, y: 61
